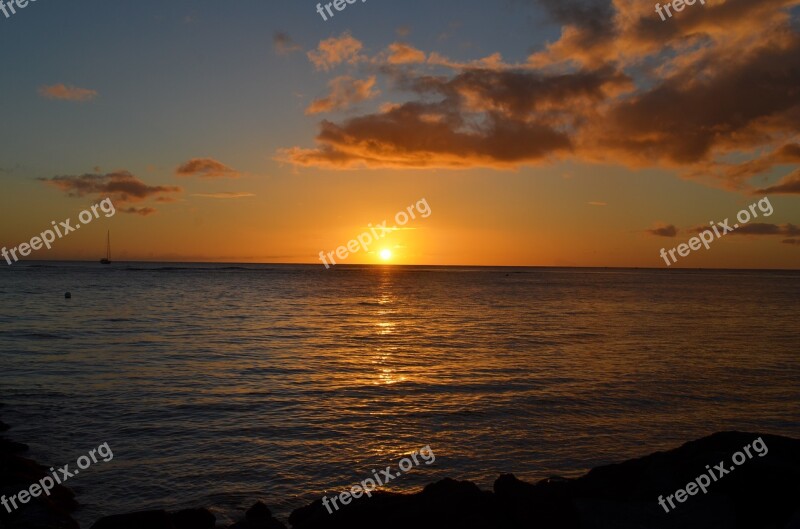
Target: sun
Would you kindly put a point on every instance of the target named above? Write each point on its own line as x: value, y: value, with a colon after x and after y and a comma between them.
x: 386, y: 254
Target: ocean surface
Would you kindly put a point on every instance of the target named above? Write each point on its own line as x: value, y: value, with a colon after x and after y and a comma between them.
x: 217, y: 385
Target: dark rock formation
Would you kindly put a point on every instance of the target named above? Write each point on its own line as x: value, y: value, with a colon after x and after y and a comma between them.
x: 43, y: 512
x: 159, y: 519
x: 258, y: 517
x: 447, y: 503
x: 763, y: 492
x: 194, y: 519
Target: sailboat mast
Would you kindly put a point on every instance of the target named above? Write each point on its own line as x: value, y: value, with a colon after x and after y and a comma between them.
x: 108, y: 245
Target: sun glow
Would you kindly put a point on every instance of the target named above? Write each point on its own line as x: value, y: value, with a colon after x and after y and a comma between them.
x: 386, y: 254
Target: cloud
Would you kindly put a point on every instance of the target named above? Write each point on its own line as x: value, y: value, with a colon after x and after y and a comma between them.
x: 663, y: 230
x: 403, y: 31
x: 223, y: 195
x: 139, y: 211
x: 789, y: 184
x: 336, y: 50
x: 415, y: 135
x: 283, y: 44
x: 345, y: 91
x: 121, y: 186
x: 206, y: 168
x: 759, y: 228
x: 67, y: 93
x: 487, y: 118
x: 597, y: 204
x: 401, y: 53
x: 715, y: 83
x: 791, y: 241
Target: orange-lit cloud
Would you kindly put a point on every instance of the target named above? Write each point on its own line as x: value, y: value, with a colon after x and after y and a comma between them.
x: 336, y: 50
x: 406, y: 137
x: 121, y: 186
x: 344, y: 91
x: 223, y: 195
x: 67, y: 93
x: 524, y: 117
x: 619, y: 86
x: 789, y: 184
x: 205, y: 168
x: 401, y: 53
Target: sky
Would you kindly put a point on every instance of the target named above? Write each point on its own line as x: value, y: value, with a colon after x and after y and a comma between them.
x: 538, y: 132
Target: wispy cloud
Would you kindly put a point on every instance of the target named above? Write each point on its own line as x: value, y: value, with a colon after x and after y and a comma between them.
x: 663, y: 230
x: 121, y: 186
x: 139, y: 211
x: 223, y: 195
x: 283, y: 44
x: 344, y: 92
x: 336, y: 50
x: 789, y: 184
x: 67, y: 93
x: 206, y: 168
x: 759, y: 228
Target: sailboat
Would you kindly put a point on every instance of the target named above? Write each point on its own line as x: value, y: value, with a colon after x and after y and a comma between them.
x: 107, y: 258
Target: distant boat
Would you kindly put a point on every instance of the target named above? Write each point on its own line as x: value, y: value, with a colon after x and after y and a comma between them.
x: 107, y: 258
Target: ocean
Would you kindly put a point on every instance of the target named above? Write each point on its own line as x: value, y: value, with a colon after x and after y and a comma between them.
x: 218, y: 385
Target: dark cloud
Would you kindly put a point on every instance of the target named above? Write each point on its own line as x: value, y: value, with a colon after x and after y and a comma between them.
x: 418, y: 135
x: 206, y: 168
x: 139, y: 211
x: 283, y: 44
x: 121, y: 186
x: 684, y: 119
x: 664, y: 231
x: 594, y: 19
x: 759, y: 228
x: 715, y: 84
x: 789, y: 184
x: 484, y: 118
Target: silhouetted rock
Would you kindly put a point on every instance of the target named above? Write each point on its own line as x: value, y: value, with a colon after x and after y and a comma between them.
x: 258, y: 517
x: 193, y: 519
x: 18, y: 473
x: 447, y: 503
x: 547, y: 503
x: 12, y: 447
x: 762, y: 493
x: 158, y: 519
x: 4, y: 427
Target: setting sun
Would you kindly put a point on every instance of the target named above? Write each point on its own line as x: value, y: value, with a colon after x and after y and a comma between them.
x: 386, y: 254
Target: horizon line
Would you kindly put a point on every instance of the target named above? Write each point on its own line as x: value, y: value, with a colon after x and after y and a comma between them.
x: 387, y: 265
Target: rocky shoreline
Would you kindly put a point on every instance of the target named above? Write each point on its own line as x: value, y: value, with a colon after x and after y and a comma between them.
x: 764, y: 493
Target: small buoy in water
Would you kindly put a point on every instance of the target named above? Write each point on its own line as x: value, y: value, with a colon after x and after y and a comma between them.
x: 68, y: 295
